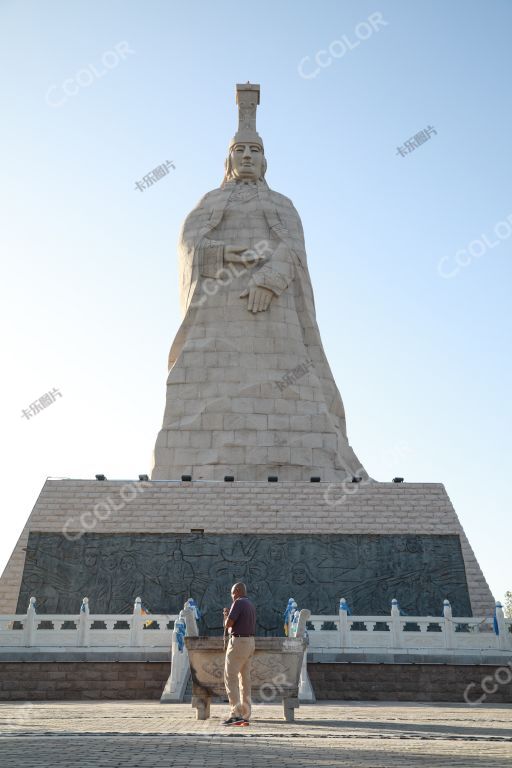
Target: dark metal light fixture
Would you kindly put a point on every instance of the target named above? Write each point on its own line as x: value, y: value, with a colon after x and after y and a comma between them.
x: 229, y: 479
x: 314, y: 479
x: 143, y: 478
x: 100, y: 477
x: 398, y: 479
x: 186, y: 478
x: 272, y: 478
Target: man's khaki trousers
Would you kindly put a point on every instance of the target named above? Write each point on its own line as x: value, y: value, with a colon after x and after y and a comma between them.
x: 238, y: 669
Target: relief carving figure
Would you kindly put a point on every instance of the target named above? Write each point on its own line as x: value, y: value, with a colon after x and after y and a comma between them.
x: 175, y: 579
x: 128, y: 584
x: 249, y: 389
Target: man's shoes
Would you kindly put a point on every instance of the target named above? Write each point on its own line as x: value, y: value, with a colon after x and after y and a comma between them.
x: 234, y: 720
x: 242, y: 722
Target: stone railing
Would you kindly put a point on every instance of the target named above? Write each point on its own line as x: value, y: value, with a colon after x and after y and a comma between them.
x: 339, y: 633
x: 344, y: 633
x: 86, y: 630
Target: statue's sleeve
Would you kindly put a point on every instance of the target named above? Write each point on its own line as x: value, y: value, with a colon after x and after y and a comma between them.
x: 192, y: 232
x: 207, y: 254
x: 280, y: 270
x: 210, y: 257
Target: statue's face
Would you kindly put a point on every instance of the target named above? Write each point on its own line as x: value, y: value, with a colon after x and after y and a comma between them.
x: 299, y: 575
x: 247, y: 162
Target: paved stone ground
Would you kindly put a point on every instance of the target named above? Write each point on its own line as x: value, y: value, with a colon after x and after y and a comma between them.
x: 355, y: 735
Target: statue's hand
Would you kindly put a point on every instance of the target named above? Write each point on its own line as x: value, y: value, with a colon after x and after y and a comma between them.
x: 259, y: 298
x: 241, y: 254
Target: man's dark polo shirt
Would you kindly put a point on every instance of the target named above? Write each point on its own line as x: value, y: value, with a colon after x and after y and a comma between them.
x: 243, y: 614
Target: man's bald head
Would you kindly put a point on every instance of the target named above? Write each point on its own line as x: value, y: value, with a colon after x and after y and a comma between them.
x: 238, y: 590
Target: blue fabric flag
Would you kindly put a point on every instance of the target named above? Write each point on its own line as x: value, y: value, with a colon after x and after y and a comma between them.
x: 192, y: 604
x: 286, y: 616
x: 181, y: 630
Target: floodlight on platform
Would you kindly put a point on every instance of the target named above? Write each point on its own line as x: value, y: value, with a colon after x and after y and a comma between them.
x: 398, y: 479
x: 144, y: 478
x: 272, y: 479
x: 100, y: 477
x: 229, y: 479
x: 314, y: 479
x: 356, y: 479
x: 186, y: 478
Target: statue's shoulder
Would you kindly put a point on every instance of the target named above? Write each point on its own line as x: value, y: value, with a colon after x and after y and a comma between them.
x: 208, y: 199
x: 200, y: 215
x: 281, y: 200
x: 288, y: 215
x: 203, y: 208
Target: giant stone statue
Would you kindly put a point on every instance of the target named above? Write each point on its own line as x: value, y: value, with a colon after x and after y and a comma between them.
x: 250, y: 392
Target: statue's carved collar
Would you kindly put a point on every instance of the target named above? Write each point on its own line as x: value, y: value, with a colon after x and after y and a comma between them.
x: 244, y: 190
x: 232, y: 183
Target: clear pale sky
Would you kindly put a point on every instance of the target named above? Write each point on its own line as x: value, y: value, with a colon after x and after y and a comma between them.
x: 89, y: 296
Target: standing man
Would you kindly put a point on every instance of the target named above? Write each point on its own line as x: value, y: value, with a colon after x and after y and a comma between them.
x: 240, y: 624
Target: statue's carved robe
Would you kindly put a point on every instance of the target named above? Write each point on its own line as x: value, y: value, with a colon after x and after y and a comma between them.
x: 249, y: 394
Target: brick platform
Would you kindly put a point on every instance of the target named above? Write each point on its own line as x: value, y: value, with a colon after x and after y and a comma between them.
x: 404, y: 682
x: 40, y: 681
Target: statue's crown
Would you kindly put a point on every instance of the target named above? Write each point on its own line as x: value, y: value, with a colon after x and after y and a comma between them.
x: 247, y: 98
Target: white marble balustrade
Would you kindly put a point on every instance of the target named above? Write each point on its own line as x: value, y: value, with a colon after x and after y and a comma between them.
x: 336, y: 633
x: 86, y: 630
x: 343, y: 632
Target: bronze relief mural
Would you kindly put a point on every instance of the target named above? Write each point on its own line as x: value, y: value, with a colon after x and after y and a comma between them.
x: 316, y: 570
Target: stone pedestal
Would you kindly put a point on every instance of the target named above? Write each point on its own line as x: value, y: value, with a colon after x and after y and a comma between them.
x: 167, y: 541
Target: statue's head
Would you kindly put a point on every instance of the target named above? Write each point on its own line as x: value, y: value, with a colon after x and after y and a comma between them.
x: 245, y: 162
x: 246, y: 156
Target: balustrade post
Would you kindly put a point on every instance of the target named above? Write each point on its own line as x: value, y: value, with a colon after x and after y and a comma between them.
x: 396, y: 625
x: 84, y: 623
x: 344, y: 628
x: 306, y: 692
x: 136, y: 624
x: 190, y: 620
x: 302, y: 620
x: 503, y: 633
x: 449, y: 630
x: 176, y: 685
x: 29, y: 625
